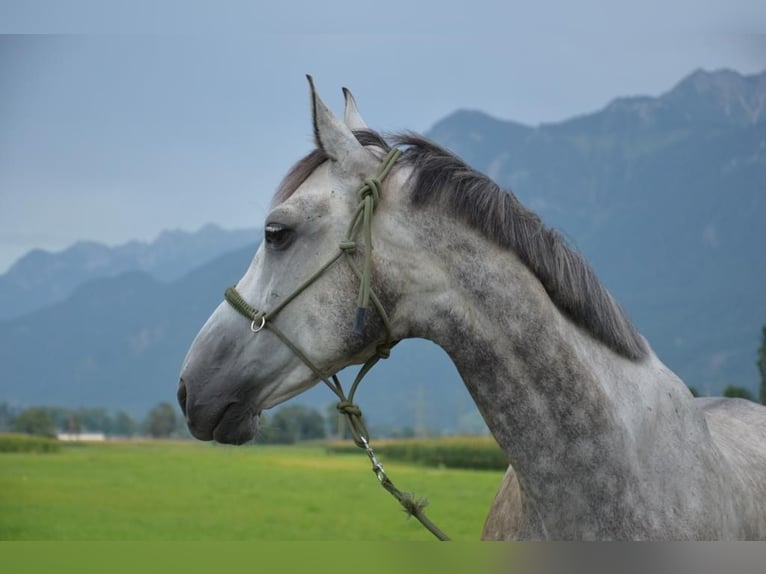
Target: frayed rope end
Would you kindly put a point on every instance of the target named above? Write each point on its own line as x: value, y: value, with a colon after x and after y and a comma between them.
x: 412, y: 506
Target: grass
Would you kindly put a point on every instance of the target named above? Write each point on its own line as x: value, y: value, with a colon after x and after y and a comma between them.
x: 194, y: 491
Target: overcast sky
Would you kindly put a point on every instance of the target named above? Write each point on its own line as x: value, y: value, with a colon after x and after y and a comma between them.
x: 119, y: 122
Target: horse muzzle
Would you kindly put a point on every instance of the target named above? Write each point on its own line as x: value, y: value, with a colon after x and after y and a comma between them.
x: 226, y: 421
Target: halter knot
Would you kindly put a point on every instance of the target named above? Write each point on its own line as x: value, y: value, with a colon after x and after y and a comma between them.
x: 349, y: 408
x: 383, y: 350
x: 371, y: 189
x: 347, y: 245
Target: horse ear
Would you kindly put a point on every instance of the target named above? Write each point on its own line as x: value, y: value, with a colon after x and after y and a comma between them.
x: 351, y: 114
x: 331, y: 134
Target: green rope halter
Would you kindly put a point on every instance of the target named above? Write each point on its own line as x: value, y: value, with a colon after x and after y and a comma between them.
x: 369, y: 196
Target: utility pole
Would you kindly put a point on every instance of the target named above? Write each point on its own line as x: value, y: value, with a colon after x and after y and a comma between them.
x: 420, y: 412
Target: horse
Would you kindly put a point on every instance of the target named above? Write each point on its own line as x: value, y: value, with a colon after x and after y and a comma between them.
x: 604, y: 441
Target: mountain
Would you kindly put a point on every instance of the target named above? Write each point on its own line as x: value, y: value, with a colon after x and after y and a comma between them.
x: 665, y: 196
x: 119, y: 342
x: 41, y: 278
x: 115, y: 342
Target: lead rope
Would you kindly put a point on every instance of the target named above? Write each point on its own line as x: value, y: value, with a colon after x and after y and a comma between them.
x: 369, y: 195
x: 411, y: 505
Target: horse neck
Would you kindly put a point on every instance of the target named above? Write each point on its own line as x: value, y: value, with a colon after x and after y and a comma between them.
x: 565, y: 408
x: 521, y: 359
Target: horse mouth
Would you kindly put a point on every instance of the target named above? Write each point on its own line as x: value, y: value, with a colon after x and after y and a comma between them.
x: 236, y: 425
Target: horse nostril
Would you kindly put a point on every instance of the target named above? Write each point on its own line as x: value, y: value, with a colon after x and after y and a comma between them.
x: 182, y: 396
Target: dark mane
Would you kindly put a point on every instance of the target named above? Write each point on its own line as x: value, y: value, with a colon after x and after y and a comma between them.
x: 440, y: 176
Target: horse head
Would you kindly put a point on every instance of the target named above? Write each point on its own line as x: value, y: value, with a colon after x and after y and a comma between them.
x: 299, y: 314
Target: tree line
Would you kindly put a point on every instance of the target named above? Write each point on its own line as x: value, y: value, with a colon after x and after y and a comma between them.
x: 287, y: 425
x: 161, y: 421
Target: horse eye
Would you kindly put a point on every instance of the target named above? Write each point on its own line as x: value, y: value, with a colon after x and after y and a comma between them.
x: 277, y: 236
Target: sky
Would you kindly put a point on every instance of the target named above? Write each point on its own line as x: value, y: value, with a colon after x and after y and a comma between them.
x: 120, y: 120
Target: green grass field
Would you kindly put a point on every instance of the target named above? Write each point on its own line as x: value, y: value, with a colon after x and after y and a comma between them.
x: 195, y: 491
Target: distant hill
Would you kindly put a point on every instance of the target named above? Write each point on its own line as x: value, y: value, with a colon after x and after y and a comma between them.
x: 115, y: 342
x: 119, y: 342
x: 665, y: 196
x: 41, y: 278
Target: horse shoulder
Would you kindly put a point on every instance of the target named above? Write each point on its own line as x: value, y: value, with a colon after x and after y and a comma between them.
x: 739, y: 427
x: 738, y: 430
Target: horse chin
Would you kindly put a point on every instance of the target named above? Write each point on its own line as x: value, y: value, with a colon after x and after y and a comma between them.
x: 238, y: 424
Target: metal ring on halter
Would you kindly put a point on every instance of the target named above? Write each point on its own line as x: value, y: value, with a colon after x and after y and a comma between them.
x: 255, y: 329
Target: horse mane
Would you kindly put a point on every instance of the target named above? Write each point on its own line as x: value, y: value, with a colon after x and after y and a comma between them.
x: 439, y: 176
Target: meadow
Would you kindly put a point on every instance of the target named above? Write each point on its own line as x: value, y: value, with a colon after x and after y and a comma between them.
x: 195, y: 491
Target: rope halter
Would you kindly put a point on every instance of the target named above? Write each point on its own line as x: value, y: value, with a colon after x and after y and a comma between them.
x: 369, y: 197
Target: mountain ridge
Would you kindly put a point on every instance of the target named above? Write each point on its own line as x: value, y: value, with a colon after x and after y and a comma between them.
x: 40, y: 278
x: 739, y: 97
x: 670, y: 216
x: 655, y: 207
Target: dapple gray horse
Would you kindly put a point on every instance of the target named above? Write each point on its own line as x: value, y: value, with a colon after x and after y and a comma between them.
x: 604, y: 441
